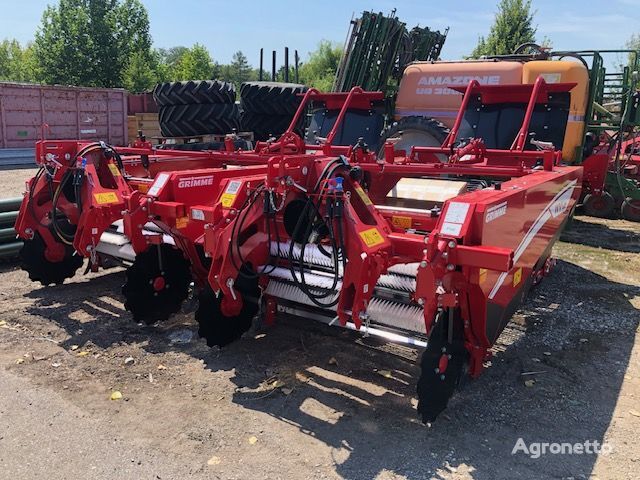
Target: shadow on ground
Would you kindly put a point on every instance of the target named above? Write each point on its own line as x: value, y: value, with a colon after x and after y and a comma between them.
x: 598, y: 235
x: 336, y: 393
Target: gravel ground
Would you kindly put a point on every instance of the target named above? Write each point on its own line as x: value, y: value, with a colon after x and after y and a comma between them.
x: 12, y: 180
x: 304, y: 401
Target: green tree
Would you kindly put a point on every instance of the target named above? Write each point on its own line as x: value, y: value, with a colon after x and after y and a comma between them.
x: 141, y: 74
x: 91, y: 42
x: 513, y: 26
x: 194, y: 64
x: 320, y: 70
x: 167, y: 59
x: 17, y: 63
x: 240, y: 69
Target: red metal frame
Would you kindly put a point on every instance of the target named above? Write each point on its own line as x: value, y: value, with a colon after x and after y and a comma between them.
x: 483, y: 270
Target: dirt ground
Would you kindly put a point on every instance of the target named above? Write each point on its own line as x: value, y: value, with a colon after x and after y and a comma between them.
x: 12, y: 180
x: 304, y: 401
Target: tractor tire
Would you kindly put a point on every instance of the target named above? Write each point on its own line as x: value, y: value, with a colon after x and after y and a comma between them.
x: 631, y: 210
x: 198, y: 119
x: 34, y: 262
x: 601, y: 206
x: 152, y: 293
x: 415, y: 131
x: 264, y: 126
x: 194, y: 92
x: 271, y: 98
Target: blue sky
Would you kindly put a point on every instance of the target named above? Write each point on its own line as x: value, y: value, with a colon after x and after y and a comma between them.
x: 224, y: 27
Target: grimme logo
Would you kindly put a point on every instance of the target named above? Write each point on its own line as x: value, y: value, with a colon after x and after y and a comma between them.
x: 188, y: 182
x: 425, y: 83
x: 536, y: 449
x: 496, y: 211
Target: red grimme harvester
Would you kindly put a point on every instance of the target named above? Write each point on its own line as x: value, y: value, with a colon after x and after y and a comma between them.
x: 435, y: 247
x: 341, y: 236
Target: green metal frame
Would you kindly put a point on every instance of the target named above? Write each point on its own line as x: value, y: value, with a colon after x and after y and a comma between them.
x: 607, y: 89
x: 377, y: 49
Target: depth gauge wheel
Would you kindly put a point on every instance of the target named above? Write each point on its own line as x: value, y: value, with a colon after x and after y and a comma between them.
x: 157, y: 283
x: 34, y: 261
x: 631, y: 210
x: 218, y: 329
x: 443, y: 364
x: 601, y: 206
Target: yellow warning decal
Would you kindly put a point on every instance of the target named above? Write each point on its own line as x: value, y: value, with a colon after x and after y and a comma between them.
x: 114, y: 170
x: 227, y: 199
x: 401, y: 222
x: 517, y: 277
x: 182, y: 222
x: 365, y: 198
x: 371, y: 237
x: 482, y: 276
x: 106, y: 197
x: 143, y: 188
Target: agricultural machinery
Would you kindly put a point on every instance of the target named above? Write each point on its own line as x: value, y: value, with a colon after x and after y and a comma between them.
x: 432, y: 246
x: 604, y: 114
x: 411, y: 248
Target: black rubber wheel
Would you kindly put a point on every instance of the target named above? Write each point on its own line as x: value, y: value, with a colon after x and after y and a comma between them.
x: 218, y: 329
x: 436, y: 387
x: 415, y: 131
x: 194, y: 92
x: 198, y: 119
x: 601, y: 206
x: 631, y: 210
x: 152, y: 293
x: 34, y: 262
x: 271, y: 98
x: 265, y: 126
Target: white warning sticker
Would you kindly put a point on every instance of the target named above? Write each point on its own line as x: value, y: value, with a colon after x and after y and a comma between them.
x: 457, y: 212
x: 197, y: 214
x: 451, y: 229
x: 233, y: 186
x: 161, y: 181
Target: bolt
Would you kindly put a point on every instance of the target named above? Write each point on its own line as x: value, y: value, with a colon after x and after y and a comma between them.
x: 451, y: 267
x: 445, y: 255
x: 423, y: 264
x: 89, y: 248
x: 443, y: 349
x: 421, y: 301
x: 452, y: 244
x: 155, y: 294
x: 437, y: 371
x: 150, y: 282
x: 442, y: 377
x: 144, y: 209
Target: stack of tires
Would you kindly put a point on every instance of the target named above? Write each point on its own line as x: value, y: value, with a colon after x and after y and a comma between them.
x: 268, y: 107
x: 196, y: 107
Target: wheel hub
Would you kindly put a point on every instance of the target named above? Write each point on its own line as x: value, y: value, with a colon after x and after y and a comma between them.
x: 159, y: 283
